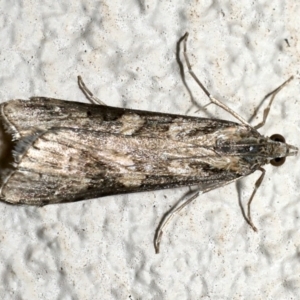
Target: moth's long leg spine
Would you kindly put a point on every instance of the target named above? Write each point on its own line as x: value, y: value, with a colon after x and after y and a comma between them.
x: 256, y: 186
x: 169, y: 216
x: 212, y: 99
x: 88, y: 94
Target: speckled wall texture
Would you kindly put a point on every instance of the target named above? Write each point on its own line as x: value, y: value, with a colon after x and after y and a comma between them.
x: 126, y: 53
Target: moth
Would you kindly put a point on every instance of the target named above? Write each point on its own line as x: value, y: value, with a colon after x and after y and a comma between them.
x: 57, y: 151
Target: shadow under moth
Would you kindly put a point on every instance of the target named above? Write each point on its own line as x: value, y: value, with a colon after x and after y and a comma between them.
x: 56, y: 151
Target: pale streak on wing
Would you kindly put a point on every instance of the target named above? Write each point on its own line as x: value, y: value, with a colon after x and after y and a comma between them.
x: 23, y: 118
x: 67, y: 164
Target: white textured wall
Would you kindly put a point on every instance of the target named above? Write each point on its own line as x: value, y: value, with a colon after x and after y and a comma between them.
x: 125, y: 51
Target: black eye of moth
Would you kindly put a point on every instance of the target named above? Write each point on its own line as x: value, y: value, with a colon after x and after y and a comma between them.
x: 278, y: 161
x: 277, y: 138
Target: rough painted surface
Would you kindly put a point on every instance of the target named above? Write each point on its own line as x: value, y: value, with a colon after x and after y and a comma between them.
x: 125, y: 52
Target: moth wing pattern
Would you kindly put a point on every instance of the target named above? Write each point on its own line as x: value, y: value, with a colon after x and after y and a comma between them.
x: 68, y: 151
x: 67, y: 164
x: 23, y: 118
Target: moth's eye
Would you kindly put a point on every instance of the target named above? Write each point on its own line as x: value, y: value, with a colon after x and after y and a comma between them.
x: 277, y: 138
x: 278, y: 161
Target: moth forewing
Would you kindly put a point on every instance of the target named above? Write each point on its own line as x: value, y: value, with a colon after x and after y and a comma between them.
x: 64, y: 151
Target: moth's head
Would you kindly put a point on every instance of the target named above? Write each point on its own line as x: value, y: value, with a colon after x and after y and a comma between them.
x: 279, y: 150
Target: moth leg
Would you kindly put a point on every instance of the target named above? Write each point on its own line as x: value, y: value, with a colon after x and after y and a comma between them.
x: 256, y: 186
x: 169, y: 216
x: 267, y: 110
x: 88, y: 94
x: 212, y: 99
